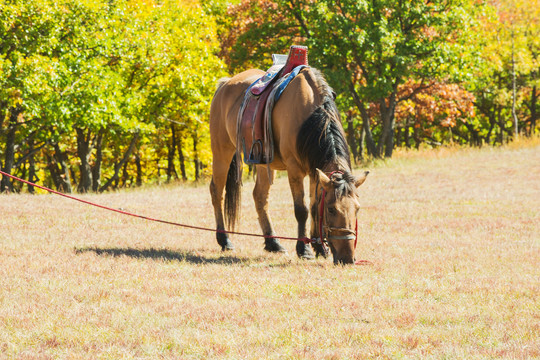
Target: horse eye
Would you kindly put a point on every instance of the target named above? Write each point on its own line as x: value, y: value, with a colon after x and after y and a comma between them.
x: 332, y: 210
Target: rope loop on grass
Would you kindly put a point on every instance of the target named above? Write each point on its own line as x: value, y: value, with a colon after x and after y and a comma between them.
x: 305, y: 240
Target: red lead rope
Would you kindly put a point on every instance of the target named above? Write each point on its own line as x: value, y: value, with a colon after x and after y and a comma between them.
x: 141, y: 216
x: 305, y: 240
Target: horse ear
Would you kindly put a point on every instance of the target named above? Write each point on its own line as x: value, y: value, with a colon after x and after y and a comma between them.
x: 360, y: 180
x: 324, y: 180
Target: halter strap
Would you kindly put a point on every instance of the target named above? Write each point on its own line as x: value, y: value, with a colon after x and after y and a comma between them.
x: 321, y: 216
x: 353, y: 235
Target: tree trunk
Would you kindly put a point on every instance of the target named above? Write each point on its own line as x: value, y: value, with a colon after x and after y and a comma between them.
x: 170, y: 155
x: 64, y: 173
x: 7, y: 185
x: 534, y: 114
x: 96, y: 169
x: 9, y: 160
x: 407, y: 135
x: 361, y: 144
x: 389, y: 146
x: 55, y: 173
x: 125, y: 175
x: 119, y: 165
x: 196, y: 156
x: 416, y: 137
x: 370, y: 143
x: 501, y: 126
x: 31, y: 168
x: 139, y: 169
x: 181, y: 159
x: 352, y: 138
x: 60, y: 176
x: 84, y: 149
x: 386, y: 140
x: 474, y: 136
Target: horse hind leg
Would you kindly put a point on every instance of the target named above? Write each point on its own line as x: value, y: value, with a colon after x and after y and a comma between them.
x: 221, y: 175
x: 260, y: 196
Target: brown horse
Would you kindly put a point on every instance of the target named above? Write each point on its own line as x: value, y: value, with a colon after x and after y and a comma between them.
x: 308, y: 140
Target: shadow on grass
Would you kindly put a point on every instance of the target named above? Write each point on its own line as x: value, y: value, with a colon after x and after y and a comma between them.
x: 161, y: 254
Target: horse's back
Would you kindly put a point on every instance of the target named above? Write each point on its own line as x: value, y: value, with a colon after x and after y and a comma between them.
x: 226, y: 105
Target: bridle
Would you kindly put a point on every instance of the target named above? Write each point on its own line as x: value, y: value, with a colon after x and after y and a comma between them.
x: 323, y: 240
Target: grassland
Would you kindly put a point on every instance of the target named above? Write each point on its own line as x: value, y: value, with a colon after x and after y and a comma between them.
x: 454, y: 236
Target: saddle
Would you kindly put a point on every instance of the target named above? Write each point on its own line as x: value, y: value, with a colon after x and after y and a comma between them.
x: 255, y: 138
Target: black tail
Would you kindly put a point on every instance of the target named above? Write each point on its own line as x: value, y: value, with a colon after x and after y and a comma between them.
x: 233, y: 194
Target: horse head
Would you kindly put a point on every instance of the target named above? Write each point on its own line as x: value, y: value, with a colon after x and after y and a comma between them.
x: 339, y: 208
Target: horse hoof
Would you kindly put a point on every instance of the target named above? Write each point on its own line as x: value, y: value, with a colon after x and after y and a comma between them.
x: 304, y: 251
x: 224, y: 242
x: 227, y: 247
x: 273, y: 245
x: 319, y: 250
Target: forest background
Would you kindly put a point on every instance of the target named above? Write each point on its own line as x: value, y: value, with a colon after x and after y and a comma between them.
x: 104, y: 94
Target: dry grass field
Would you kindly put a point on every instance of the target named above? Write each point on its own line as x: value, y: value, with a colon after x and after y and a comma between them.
x: 454, y: 236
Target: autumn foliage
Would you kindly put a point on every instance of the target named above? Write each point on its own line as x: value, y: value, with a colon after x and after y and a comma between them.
x: 98, y: 95
x: 428, y: 111
x: 408, y: 73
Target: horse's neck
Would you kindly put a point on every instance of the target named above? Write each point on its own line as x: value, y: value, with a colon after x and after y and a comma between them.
x: 337, y: 164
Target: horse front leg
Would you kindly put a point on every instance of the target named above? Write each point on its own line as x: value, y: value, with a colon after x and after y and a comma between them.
x: 260, y: 196
x: 296, y: 183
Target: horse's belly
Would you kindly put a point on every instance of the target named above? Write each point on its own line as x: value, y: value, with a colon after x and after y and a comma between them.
x: 277, y: 164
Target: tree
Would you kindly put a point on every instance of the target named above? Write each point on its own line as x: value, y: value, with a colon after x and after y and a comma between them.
x: 506, y: 84
x: 434, y: 113
x: 366, y: 48
x: 88, y: 86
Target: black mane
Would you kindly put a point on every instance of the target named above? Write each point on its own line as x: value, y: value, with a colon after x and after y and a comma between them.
x: 321, y: 140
